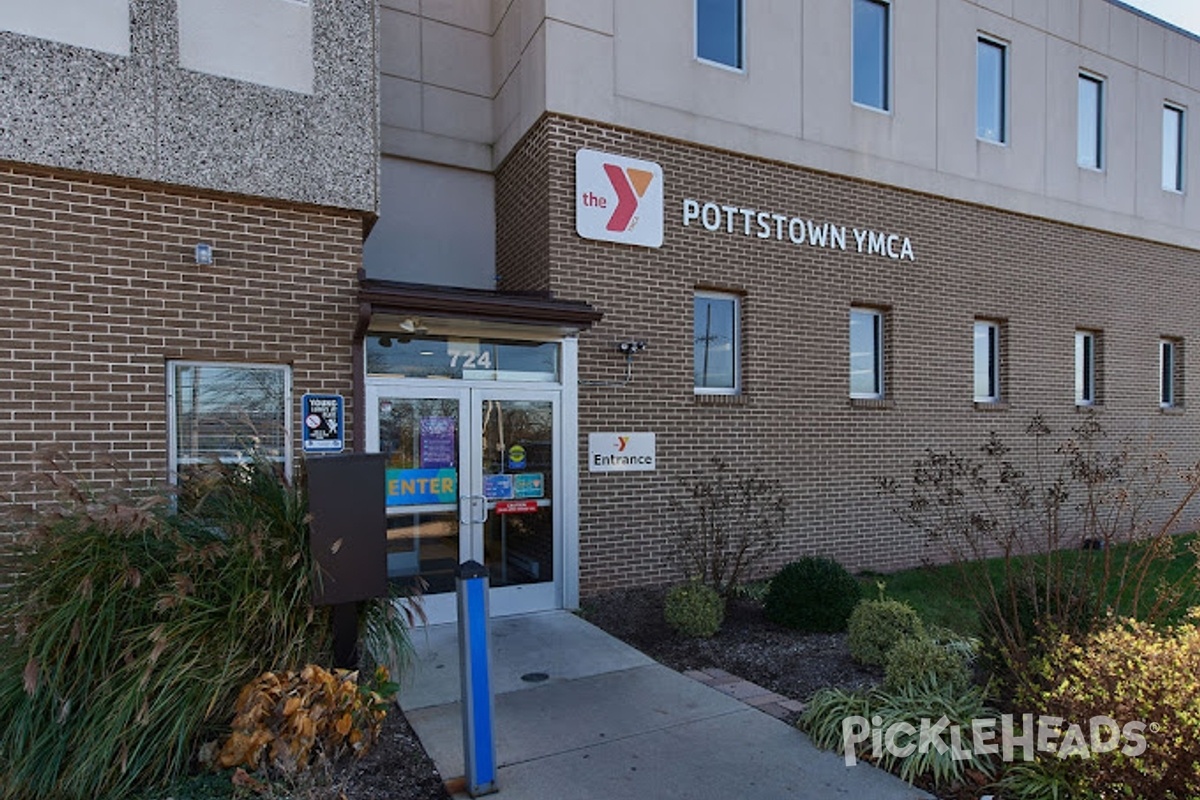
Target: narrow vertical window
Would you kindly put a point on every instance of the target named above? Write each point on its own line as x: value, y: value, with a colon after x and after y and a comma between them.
x: 866, y: 353
x: 872, y: 59
x: 1172, y: 149
x: 987, y: 362
x: 1090, y: 151
x: 991, y: 90
x: 716, y: 356
x: 720, y: 33
x: 1166, y: 382
x: 1085, y: 368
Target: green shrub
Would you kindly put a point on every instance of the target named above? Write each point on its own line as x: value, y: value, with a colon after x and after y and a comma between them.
x: 1129, y: 672
x: 829, y: 709
x: 916, y: 660
x: 694, y: 609
x: 812, y: 594
x: 876, y: 626
x: 138, y: 626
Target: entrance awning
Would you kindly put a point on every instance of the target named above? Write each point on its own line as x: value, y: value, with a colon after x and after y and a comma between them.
x: 392, y: 303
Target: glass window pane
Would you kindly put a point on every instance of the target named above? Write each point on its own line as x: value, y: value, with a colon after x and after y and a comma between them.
x: 224, y: 412
x: 871, y: 53
x: 715, y: 336
x: 1084, y: 368
x: 467, y: 359
x: 986, y: 366
x: 865, y: 358
x: 719, y: 31
x: 1166, y: 381
x: 1090, y: 109
x: 1172, y: 152
x: 990, y: 80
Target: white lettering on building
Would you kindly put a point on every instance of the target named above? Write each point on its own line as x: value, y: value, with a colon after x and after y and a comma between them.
x: 752, y: 222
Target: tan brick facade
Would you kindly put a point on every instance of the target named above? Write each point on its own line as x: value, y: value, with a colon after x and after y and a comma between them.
x: 100, y: 289
x: 1042, y: 280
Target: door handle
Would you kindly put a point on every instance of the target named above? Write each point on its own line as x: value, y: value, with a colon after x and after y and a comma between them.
x: 473, y: 501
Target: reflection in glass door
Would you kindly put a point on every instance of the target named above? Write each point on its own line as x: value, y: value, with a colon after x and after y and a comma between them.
x: 472, y: 474
x: 420, y: 438
x: 518, y: 481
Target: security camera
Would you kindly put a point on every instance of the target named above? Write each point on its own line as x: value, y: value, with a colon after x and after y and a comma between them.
x: 629, y: 348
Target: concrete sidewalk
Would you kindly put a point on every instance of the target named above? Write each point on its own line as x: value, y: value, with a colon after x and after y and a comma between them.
x: 608, y: 722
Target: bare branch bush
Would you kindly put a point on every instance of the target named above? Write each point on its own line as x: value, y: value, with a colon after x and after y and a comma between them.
x: 1082, y: 527
x: 726, y: 524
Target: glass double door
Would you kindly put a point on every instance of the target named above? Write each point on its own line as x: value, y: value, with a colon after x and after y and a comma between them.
x: 472, y: 474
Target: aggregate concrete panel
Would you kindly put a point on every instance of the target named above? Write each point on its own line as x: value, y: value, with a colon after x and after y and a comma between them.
x: 146, y: 117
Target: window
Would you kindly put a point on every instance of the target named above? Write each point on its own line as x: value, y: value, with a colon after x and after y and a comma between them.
x: 1085, y: 368
x: 987, y: 362
x: 1090, y: 152
x: 1172, y: 149
x: 222, y: 412
x: 866, y: 353
x: 720, y: 32
x: 717, y: 343
x: 1169, y: 395
x: 991, y: 90
x: 871, y: 54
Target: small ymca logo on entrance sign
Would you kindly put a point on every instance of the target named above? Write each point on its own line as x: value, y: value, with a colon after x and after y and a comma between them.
x: 618, y: 199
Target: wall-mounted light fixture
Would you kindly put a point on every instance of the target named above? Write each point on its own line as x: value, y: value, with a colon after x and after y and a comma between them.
x: 630, y: 349
x: 204, y: 254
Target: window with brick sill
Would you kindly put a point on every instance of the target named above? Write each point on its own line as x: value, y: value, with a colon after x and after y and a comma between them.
x: 716, y: 354
x: 866, y: 354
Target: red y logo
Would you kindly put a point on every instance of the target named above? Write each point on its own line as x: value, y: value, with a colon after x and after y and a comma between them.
x: 629, y: 184
x: 622, y: 440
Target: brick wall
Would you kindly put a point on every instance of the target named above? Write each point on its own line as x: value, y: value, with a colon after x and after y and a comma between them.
x: 523, y: 217
x: 794, y: 419
x: 99, y: 289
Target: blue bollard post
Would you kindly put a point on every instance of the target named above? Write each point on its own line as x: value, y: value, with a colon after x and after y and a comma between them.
x: 475, y: 667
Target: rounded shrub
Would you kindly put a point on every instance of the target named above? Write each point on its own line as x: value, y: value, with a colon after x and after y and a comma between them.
x: 920, y: 660
x: 812, y: 594
x: 876, y: 626
x: 694, y: 609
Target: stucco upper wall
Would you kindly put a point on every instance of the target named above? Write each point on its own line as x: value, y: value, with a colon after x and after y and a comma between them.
x: 632, y: 63
x: 145, y: 116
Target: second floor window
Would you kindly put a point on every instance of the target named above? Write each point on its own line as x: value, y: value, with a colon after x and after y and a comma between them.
x: 991, y: 89
x: 871, y: 54
x: 719, y: 32
x: 1090, y: 149
x: 1172, y: 149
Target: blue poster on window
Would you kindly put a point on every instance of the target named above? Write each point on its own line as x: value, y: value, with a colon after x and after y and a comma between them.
x: 437, y: 442
x: 498, y: 487
x: 418, y: 487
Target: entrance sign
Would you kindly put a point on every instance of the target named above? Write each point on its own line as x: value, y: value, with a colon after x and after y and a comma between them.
x: 324, y: 420
x: 618, y: 199
x: 621, y: 452
x: 418, y: 487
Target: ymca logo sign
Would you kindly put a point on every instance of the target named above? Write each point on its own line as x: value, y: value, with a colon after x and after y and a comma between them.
x: 618, y: 199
